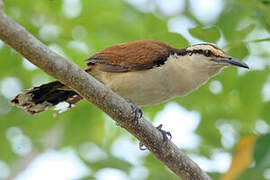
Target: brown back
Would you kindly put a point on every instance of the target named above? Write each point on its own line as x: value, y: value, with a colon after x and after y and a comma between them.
x: 132, y: 56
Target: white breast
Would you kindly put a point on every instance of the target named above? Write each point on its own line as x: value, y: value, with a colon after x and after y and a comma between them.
x: 177, y: 77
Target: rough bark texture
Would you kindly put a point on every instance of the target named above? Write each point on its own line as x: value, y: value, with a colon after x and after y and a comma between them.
x: 96, y: 93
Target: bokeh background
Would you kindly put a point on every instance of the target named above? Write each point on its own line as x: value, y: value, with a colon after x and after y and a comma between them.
x: 224, y: 126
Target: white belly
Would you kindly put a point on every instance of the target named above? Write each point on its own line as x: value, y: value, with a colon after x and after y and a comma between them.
x: 153, y: 86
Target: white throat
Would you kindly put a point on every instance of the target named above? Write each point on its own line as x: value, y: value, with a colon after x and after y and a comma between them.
x: 188, y: 73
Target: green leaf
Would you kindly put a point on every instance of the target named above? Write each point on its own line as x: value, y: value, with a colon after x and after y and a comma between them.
x: 211, y: 34
x: 252, y: 174
x: 260, y: 40
x: 110, y: 162
x: 245, y: 31
x: 239, y: 51
x: 82, y: 123
x: 173, y: 39
x: 157, y: 170
x: 266, y: 112
x: 262, y: 151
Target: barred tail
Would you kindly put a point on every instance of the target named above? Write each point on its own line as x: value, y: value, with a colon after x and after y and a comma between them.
x: 41, y: 98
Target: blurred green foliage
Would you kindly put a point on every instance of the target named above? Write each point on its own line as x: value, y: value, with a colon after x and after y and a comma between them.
x: 261, y: 154
x: 100, y: 24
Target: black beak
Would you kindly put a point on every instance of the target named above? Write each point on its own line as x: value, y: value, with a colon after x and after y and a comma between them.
x: 235, y: 62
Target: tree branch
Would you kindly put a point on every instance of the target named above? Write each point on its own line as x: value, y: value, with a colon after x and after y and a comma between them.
x: 96, y: 93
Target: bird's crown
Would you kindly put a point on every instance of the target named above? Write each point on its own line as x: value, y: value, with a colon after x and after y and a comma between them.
x: 207, y: 49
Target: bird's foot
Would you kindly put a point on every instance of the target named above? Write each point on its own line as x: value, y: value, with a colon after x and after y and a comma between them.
x: 165, y: 135
x: 137, y: 111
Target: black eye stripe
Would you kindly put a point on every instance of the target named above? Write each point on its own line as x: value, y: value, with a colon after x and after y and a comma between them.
x: 200, y: 51
x: 205, y: 52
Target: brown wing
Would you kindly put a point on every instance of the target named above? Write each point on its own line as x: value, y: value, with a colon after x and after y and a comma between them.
x: 132, y: 56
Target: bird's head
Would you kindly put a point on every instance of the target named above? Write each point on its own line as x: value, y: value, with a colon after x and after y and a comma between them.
x: 213, y: 56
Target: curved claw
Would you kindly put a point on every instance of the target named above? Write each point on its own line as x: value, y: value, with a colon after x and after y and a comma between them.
x: 137, y: 111
x: 142, y: 147
x: 138, y: 114
x: 165, y: 134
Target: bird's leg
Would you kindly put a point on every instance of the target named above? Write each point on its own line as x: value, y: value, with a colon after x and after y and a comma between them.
x: 165, y: 135
x: 137, y: 111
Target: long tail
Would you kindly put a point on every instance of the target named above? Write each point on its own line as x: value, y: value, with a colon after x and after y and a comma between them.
x: 41, y: 98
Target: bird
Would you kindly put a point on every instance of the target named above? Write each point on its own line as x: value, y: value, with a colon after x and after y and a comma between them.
x: 147, y: 72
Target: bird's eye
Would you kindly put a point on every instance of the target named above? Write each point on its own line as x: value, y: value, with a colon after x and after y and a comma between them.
x: 208, y: 53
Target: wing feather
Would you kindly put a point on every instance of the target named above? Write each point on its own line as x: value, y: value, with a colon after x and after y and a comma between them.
x: 132, y: 56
